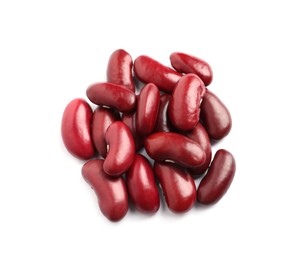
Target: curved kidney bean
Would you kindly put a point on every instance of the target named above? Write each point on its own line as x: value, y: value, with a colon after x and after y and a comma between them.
x: 121, y: 149
x: 112, y: 95
x: 184, y: 109
x: 185, y: 63
x: 147, y: 109
x: 200, y: 136
x: 218, y: 178
x: 178, y: 186
x: 76, y: 129
x: 102, y: 119
x: 111, y: 192
x: 119, y: 69
x: 215, y: 116
x: 141, y: 185
x: 151, y: 71
x: 175, y: 147
x: 162, y: 122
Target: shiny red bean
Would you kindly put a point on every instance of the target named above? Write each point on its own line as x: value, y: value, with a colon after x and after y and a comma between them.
x: 119, y: 69
x: 102, y: 119
x: 178, y: 186
x: 112, y: 95
x: 184, y: 109
x: 121, y: 150
x: 141, y: 185
x: 76, y: 129
x: 111, y: 192
x: 215, y: 116
x: 147, y: 109
x: 151, y: 71
x: 175, y: 147
x: 185, y: 63
x: 200, y: 136
x: 162, y: 122
x: 218, y: 178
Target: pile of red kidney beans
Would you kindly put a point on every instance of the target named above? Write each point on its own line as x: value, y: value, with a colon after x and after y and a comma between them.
x: 173, y: 117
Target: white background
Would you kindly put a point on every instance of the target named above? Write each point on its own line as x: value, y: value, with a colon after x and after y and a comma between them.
x: 52, y: 50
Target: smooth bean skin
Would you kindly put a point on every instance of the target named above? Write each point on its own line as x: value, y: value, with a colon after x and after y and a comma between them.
x: 218, y: 178
x: 147, y: 109
x: 119, y: 69
x: 175, y: 147
x: 149, y: 70
x: 112, y: 95
x: 215, y: 116
x: 162, y: 122
x: 200, y: 136
x: 76, y: 129
x: 185, y: 63
x: 121, y: 150
x: 184, y: 109
x: 141, y: 185
x: 102, y: 119
x: 178, y: 186
x: 111, y: 192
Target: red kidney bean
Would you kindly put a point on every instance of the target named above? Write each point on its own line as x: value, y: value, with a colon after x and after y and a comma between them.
x: 178, y: 186
x: 175, y: 147
x: 102, y: 119
x: 151, y: 71
x: 200, y: 136
x: 111, y: 192
x: 218, y: 178
x: 121, y: 150
x: 76, y: 129
x: 141, y: 185
x: 112, y: 95
x: 147, y: 109
x: 184, y: 109
x: 119, y: 69
x: 185, y: 63
x: 129, y: 120
x: 162, y: 122
x: 215, y: 116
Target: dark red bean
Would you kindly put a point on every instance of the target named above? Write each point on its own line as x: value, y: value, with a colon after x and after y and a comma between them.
x: 218, y: 178
x: 147, y: 109
x: 121, y: 150
x: 185, y: 63
x: 141, y: 185
x: 184, y: 109
x: 200, y: 136
x: 162, y: 122
x: 151, y: 71
x: 215, y: 116
x: 119, y: 69
x: 174, y: 147
x: 111, y: 192
x: 112, y: 95
x: 178, y: 186
x: 76, y: 129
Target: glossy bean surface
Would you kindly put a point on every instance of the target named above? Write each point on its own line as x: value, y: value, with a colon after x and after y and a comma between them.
x: 175, y: 147
x: 111, y: 192
x: 215, y: 116
x: 184, y: 106
x: 119, y: 69
x: 178, y: 186
x: 76, y: 129
x: 112, y: 95
x: 185, y: 63
x: 121, y: 149
x: 149, y: 70
x: 218, y: 178
x: 147, y: 109
x: 141, y: 185
x: 163, y: 122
